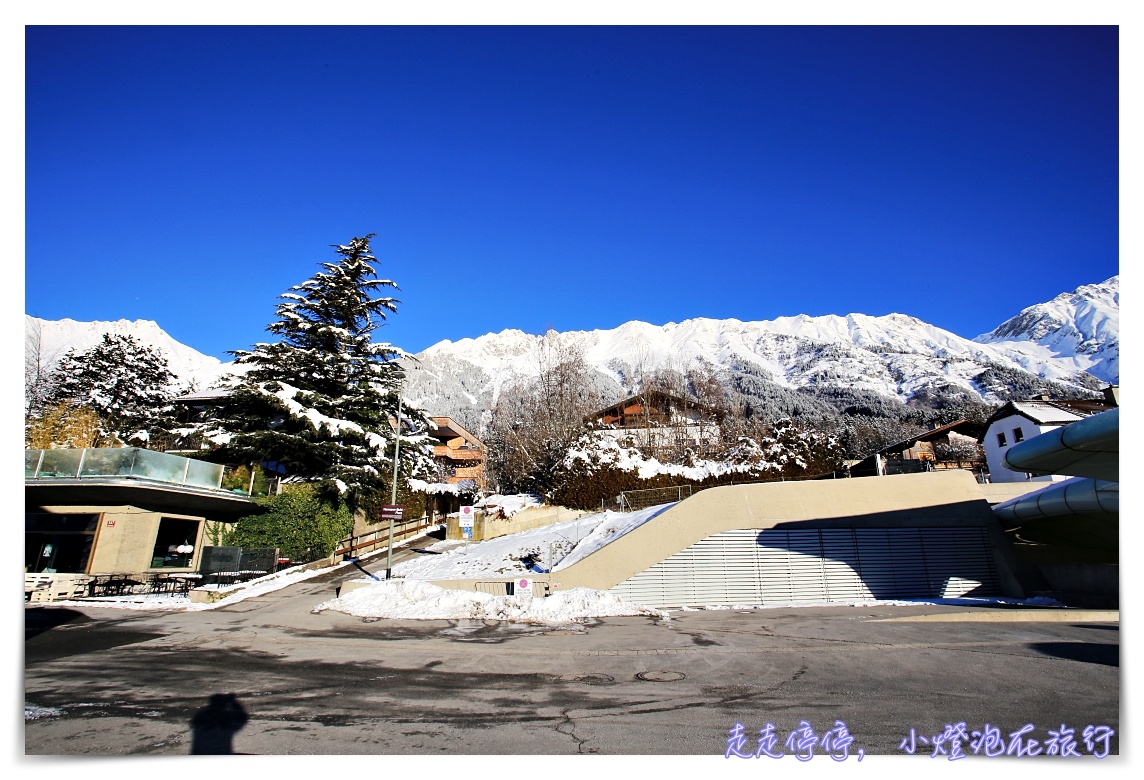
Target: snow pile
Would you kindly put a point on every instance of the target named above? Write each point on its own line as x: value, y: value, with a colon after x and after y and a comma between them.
x: 417, y: 600
x: 507, y: 506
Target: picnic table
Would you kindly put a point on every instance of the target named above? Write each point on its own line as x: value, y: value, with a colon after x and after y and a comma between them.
x: 112, y: 584
x: 180, y: 582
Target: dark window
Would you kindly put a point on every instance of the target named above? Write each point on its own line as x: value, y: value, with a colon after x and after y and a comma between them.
x: 172, y: 541
x: 1000, y: 440
x: 58, y: 543
x: 1017, y: 435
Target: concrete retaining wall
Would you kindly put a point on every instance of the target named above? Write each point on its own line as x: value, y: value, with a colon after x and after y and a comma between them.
x: 937, y: 499
x: 525, y: 520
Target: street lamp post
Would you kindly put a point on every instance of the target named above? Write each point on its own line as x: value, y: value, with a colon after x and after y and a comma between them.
x: 393, y: 497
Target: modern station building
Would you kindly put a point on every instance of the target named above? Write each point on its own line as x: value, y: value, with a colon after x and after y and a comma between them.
x: 122, y: 510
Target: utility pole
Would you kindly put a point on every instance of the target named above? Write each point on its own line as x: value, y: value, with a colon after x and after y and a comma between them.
x: 393, y: 497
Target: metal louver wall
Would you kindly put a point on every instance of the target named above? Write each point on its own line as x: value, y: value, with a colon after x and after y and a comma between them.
x: 751, y: 566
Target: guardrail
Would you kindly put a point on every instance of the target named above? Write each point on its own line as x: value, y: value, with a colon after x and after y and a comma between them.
x: 371, y: 541
x: 132, y: 462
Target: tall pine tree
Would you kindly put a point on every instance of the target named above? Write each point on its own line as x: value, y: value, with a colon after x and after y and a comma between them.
x: 125, y: 382
x: 318, y: 402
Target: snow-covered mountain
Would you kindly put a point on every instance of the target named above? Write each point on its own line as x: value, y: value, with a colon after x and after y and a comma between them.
x: 1072, y: 341
x: 1081, y: 329
x: 46, y: 341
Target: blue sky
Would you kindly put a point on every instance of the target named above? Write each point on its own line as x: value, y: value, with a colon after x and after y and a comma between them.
x: 568, y: 177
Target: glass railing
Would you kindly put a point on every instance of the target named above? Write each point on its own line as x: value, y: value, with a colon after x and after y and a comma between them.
x: 122, y: 462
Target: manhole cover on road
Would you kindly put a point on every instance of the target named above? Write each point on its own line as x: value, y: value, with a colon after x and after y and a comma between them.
x: 660, y: 676
x: 590, y: 679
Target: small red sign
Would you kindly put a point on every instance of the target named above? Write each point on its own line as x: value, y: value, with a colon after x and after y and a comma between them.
x: 392, y: 512
x: 110, y: 523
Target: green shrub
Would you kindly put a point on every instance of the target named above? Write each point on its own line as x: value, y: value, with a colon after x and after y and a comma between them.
x: 304, y: 523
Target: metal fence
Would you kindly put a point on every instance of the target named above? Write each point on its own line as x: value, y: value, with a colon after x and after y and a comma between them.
x: 631, y: 500
x: 237, y: 563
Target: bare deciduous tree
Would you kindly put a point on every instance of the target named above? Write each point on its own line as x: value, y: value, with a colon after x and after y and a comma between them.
x: 38, y: 361
x: 535, y: 422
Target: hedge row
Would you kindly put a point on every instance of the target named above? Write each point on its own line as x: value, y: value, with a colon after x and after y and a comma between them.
x: 580, y: 488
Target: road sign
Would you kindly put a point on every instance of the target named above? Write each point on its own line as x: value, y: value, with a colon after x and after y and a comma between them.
x: 466, y: 521
x: 392, y: 512
x: 523, y: 586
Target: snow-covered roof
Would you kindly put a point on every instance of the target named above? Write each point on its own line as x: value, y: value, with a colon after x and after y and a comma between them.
x: 1045, y: 412
x: 964, y: 427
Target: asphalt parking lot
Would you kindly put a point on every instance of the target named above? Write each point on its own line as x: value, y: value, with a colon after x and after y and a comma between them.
x: 268, y: 676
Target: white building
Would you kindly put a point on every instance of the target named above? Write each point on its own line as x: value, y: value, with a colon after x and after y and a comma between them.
x: 1018, y: 421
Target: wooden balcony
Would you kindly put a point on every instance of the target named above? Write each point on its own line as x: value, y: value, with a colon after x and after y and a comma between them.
x: 452, y: 454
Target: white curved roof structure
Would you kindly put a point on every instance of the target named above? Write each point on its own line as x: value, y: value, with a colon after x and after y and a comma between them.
x: 1089, y: 450
x: 1079, y: 496
x: 1089, y: 447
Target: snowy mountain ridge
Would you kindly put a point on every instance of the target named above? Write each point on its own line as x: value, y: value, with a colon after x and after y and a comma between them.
x: 1072, y: 340
x: 894, y: 355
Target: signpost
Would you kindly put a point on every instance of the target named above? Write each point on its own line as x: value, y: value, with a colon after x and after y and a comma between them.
x: 393, y: 499
x: 466, y: 522
x: 393, y: 513
x: 523, y: 586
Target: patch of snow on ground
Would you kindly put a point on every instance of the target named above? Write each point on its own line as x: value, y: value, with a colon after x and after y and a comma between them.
x: 417, y: 600
x: 237, y: 593
x: 31, y: 712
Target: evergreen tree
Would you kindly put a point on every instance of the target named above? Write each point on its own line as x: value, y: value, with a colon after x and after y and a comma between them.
x: 302, y: 525
x: 319, y: 402
x: 126, y: 383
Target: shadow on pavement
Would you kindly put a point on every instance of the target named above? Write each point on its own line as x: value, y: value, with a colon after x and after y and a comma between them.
x: 37, y: 620
x: 214, y: 726
x: 1086, y: 652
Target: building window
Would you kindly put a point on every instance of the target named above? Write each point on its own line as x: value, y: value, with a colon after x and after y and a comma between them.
x: 1017, y: 435
x: 58, y: 543
x: 1001, y: 440
x: 174, y: 543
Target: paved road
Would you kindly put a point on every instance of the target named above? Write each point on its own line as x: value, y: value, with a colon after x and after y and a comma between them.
x: 269, y: 676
